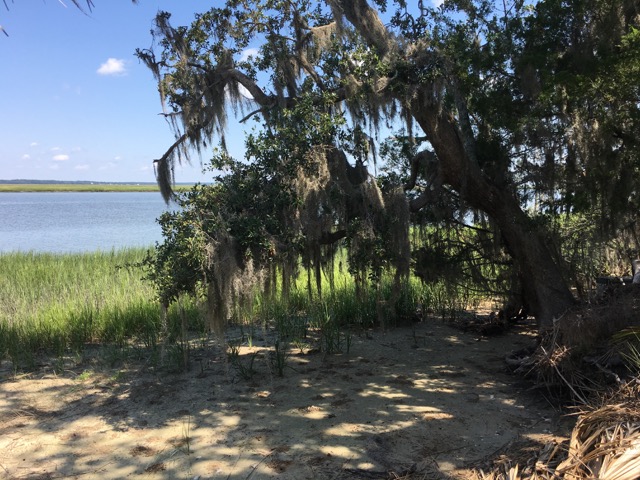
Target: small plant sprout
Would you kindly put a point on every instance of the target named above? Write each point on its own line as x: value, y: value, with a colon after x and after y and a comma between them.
x: 186, y: 435
x: 246, y: 370
x: 233, y: 352
x: 84, y: 375
x: 281, y: 353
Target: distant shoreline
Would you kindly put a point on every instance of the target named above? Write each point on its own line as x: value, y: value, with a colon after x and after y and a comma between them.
x: 82, y: 187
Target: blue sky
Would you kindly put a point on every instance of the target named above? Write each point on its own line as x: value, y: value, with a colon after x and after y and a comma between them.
x: 76, y: 103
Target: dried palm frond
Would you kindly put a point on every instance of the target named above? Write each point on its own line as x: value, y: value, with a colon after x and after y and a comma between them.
x: 572, y: 358
x: 600, y: 447
x: 605, y: 443
x: 525, y: 464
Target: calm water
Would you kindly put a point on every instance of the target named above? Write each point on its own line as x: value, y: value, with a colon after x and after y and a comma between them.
x: 79, y: 221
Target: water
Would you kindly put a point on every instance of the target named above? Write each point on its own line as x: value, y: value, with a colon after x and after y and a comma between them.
x: 79, y: 221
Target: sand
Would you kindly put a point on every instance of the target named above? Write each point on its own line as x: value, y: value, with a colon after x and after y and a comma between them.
x: 429, y: 400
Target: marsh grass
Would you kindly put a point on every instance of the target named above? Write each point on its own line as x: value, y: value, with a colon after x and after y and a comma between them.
x: 83, y: 187
x: 77, y: 187
x: 59, y: 303
x: 330, y: 321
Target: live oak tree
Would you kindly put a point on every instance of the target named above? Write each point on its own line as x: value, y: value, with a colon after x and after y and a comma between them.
x: 503, y: 107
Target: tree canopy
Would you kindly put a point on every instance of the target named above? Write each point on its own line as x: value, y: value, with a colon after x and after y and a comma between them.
x: 499, y: 116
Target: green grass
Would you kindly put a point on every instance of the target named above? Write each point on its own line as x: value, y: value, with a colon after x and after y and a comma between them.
x: 59, y: 303
x: 338, y: 313
x: 331, y: 320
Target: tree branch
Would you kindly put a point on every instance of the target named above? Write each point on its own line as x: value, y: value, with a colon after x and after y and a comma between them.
x: 255, y: 112
x: 247, y: 82
x: 327, y: 238
x: 419, y: 163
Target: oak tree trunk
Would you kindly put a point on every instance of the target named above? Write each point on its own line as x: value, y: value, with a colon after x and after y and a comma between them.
x: 544, y: 286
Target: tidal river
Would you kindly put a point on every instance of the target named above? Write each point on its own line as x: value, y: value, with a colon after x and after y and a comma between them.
x: 79, y: 221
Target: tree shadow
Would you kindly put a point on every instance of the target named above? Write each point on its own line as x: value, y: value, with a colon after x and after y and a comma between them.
x: 427, y: 401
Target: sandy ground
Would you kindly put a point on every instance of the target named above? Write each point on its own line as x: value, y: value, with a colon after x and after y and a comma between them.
x: 428, y: 399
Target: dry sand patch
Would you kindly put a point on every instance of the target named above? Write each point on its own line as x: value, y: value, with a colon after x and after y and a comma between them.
x: 428, y: 399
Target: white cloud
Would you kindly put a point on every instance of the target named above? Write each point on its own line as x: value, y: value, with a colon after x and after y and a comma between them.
x: 83, y: 167
x: 60, y: 158
x: 55, y: 149
x: 117, y: 157
x: 437, y: 3
x: 113, y: 66
x: 54, y: 167
x: 26, y: 156
x: 33, y: 144
x: 249, y: 52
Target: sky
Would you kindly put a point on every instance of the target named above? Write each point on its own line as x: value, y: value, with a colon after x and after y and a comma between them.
x: 75, y: 102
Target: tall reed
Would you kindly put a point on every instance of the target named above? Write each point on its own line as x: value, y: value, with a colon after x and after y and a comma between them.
x: 57, y: 303
x: 339, y: 308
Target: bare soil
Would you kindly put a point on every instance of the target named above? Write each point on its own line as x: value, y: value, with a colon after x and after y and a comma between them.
x: 427, y: 401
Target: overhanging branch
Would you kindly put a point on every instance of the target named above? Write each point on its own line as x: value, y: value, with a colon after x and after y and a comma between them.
x: 328, y: 238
